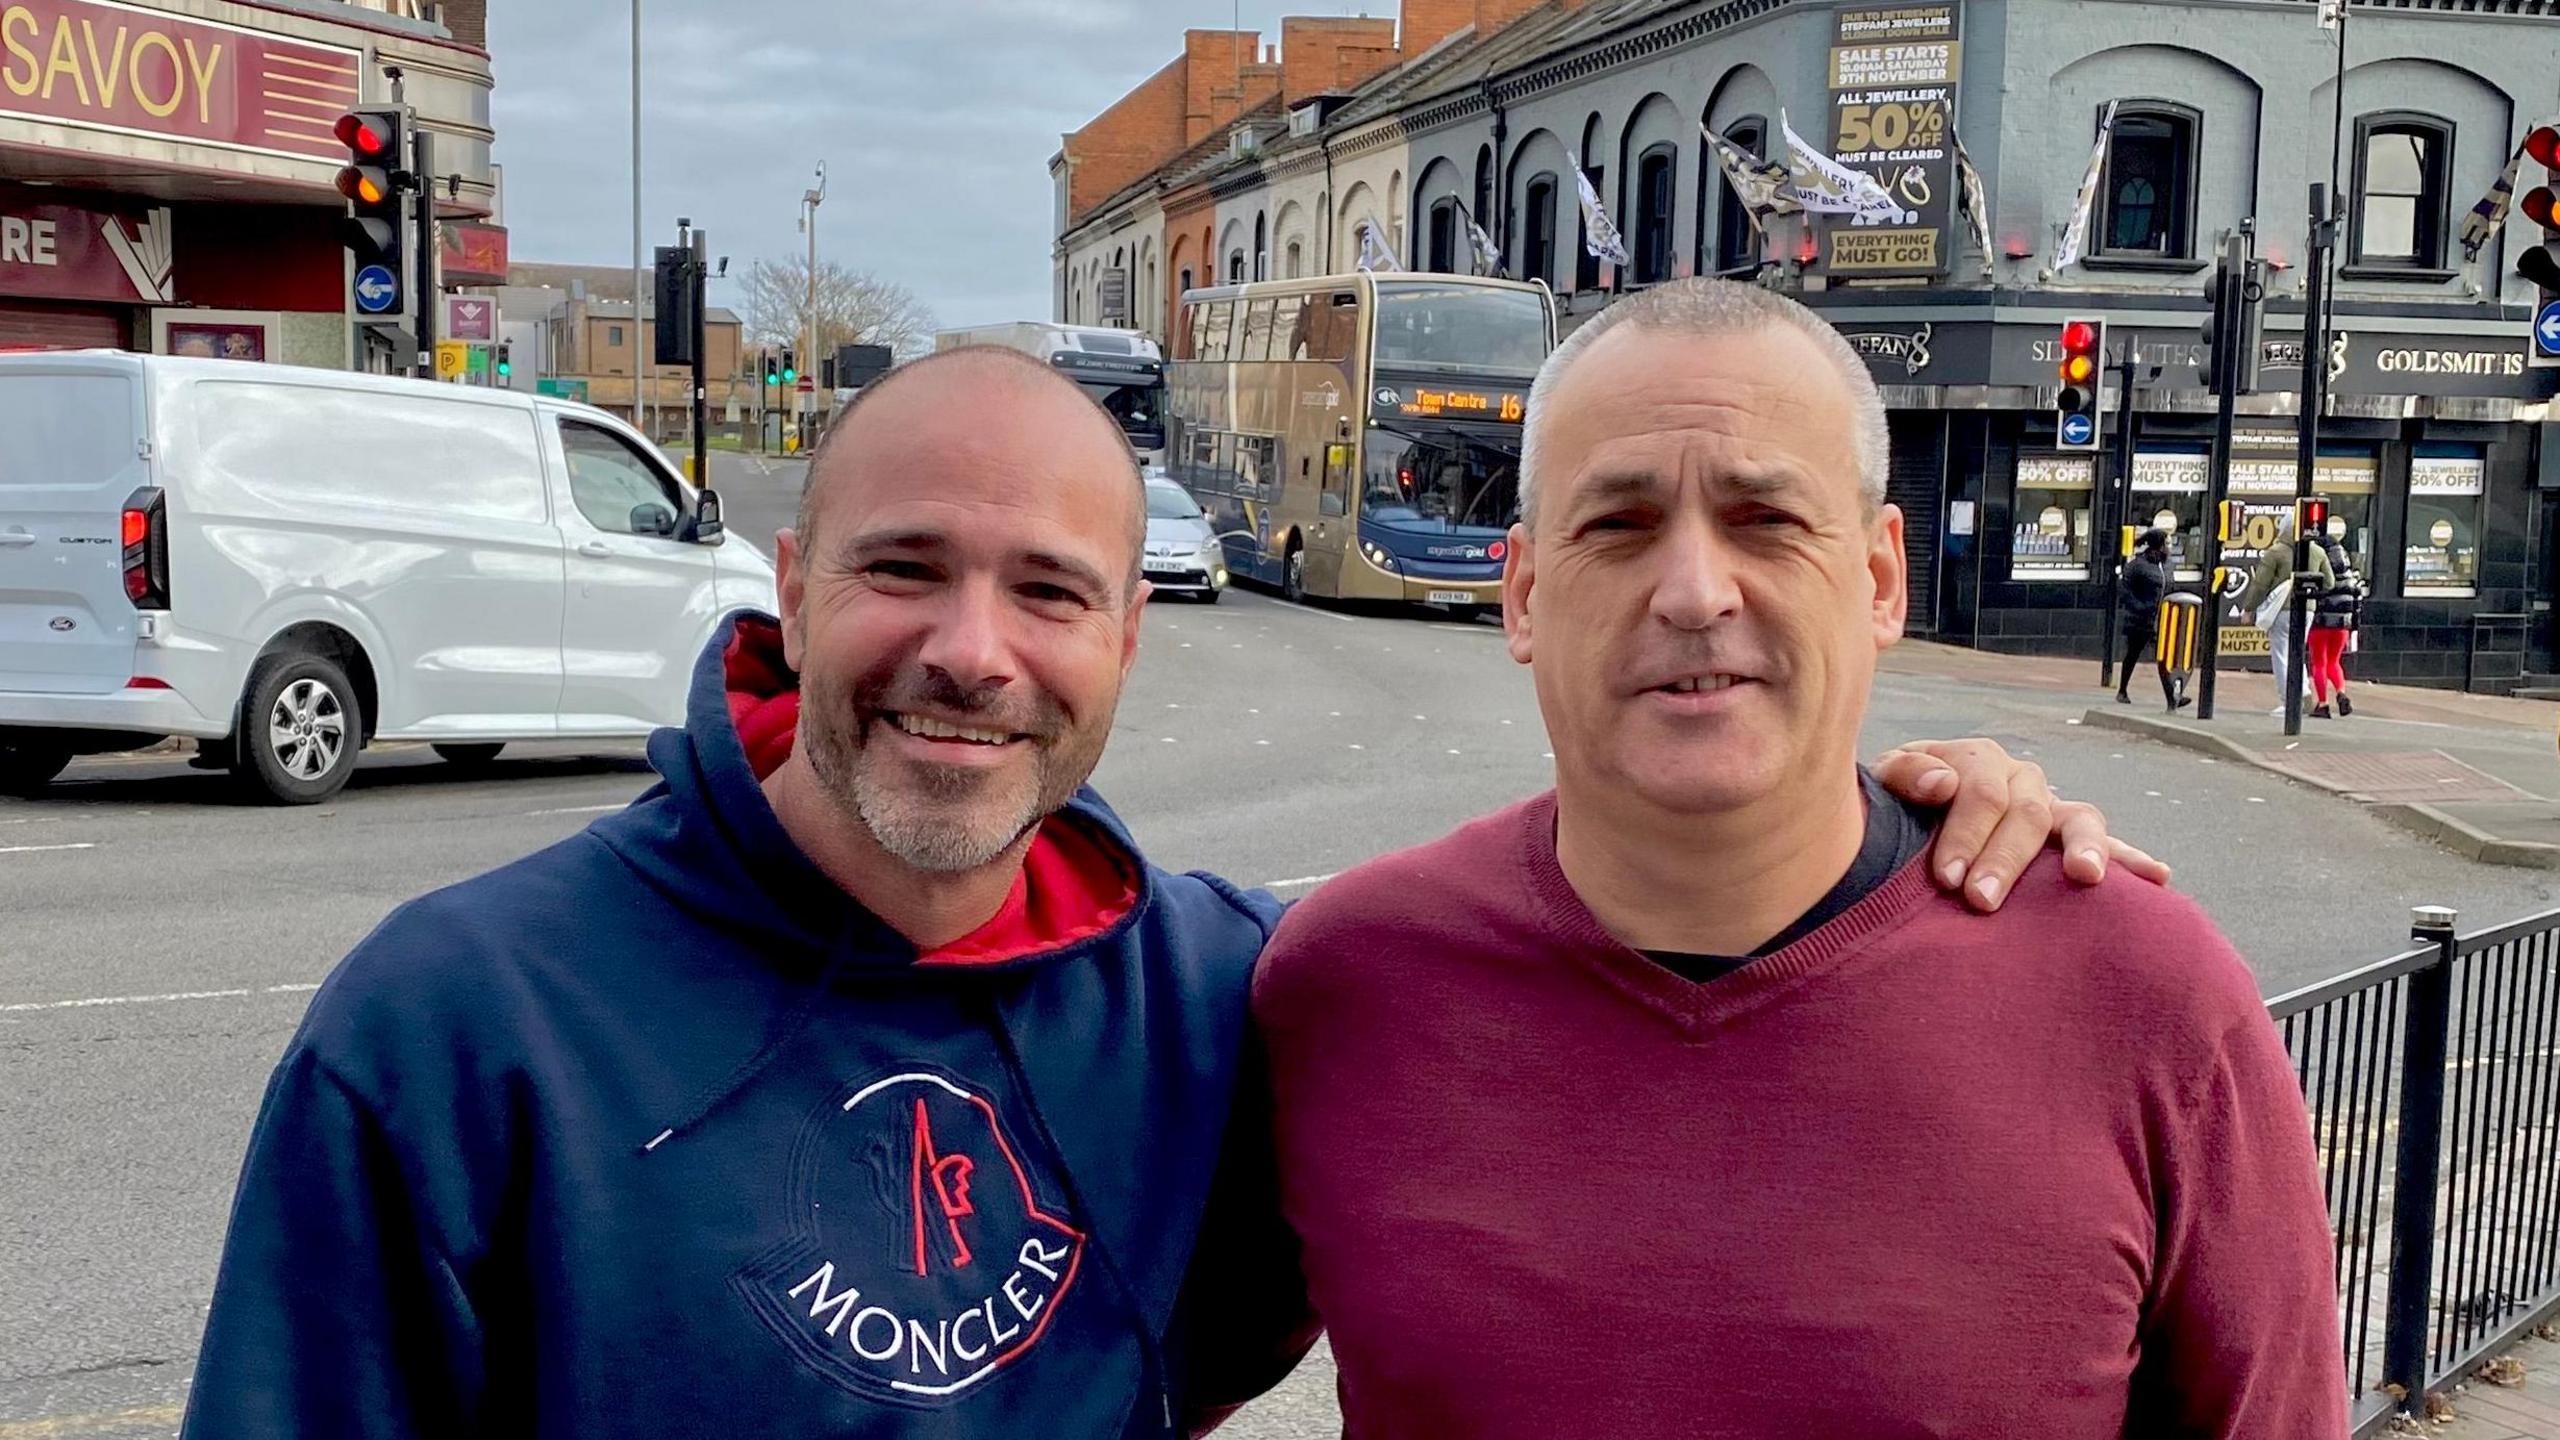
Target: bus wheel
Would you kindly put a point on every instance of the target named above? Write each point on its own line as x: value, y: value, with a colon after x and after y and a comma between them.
x: 1293, y: 574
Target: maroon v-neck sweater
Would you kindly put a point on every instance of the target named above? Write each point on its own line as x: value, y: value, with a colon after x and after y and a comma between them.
x: 2043, y: 1175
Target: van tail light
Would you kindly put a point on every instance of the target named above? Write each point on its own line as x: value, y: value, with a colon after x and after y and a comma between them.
x: 146, y: 682
x: 146, y: 548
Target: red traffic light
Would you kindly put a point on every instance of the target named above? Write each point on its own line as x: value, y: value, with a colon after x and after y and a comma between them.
x: 2079, y: 338
x: 2542, y: 142
x: 2315, y: 516
x: 362, y: 135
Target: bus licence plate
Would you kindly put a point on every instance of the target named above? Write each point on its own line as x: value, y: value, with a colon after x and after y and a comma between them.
x: 1452, y: 597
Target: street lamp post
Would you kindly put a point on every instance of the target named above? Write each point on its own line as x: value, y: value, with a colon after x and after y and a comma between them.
x: 809, y: 202
x: 639, y: 270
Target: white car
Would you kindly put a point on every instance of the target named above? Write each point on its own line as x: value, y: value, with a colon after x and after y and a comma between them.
x: 1184, y: 555
x: 287, y: 564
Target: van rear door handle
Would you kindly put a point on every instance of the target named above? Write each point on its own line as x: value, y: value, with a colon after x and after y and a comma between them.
x: 596, y: 550
x: 17, y: 538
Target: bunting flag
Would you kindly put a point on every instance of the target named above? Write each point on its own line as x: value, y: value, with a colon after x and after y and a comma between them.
x: 1374, y: 254
x: 2333, y: 13
x: 1598, y: 236
x: 1969, y: 199
x: 2489, y: 213
x: 2087, y: 200
x: 1824, y: 186
x: 1488, y: 254
x: 1763, y: 186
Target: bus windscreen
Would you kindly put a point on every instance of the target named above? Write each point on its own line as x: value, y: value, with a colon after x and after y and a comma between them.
x: 1138, y: 408
x: 1440, y: 479
x: 1428, y: 326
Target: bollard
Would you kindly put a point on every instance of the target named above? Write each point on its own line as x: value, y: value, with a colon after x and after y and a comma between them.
x: 2181, y: 621
x: 2426, y: 1020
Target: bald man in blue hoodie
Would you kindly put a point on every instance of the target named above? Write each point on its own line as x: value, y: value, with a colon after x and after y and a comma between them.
x: 861, y: 1078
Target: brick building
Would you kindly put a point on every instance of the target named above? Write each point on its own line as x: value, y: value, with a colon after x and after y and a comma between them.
x: 2438, y: 450
x: 167, y: 171
x: 584, y: 342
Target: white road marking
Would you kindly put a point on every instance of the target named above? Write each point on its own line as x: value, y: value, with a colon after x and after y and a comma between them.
x: 1310, y: 609
x: 1301, y: 882
x: 96, y: 1002
x: 34, y: 849
x: 582, y: 809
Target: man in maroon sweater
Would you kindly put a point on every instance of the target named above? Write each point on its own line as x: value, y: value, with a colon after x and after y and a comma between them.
x: 1678, y: 1102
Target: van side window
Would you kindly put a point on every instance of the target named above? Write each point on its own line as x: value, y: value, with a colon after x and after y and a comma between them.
x: 613, y: 485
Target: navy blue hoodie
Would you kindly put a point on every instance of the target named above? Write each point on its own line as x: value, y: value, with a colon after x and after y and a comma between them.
x: 657, y: 1132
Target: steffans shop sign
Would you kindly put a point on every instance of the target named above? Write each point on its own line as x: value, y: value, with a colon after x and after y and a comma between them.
x: 106, y: 66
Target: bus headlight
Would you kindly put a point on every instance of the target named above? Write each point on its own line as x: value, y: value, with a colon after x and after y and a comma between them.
x: 1379, y: 556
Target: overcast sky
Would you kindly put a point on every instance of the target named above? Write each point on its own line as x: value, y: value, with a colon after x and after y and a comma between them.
x: 936, y: 120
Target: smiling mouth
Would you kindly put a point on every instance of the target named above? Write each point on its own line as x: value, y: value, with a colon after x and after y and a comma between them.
x: 1699, y: 685
x: 924, y: 727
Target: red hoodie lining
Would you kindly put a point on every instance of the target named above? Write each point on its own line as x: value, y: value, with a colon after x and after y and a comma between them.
x: 1073, y: 885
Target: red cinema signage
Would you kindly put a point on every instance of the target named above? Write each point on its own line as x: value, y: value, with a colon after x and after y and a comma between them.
x: 108, y: 66
x: 63, y: 252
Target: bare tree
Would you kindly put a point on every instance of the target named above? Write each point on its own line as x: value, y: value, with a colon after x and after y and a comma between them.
x: 854, y: 308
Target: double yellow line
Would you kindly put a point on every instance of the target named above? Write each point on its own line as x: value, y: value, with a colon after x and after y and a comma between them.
x: 54, y: 1427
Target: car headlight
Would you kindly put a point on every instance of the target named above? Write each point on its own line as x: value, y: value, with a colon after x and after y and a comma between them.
x: 1379, y: 556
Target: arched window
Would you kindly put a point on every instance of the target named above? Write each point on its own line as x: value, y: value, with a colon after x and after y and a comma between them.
x: 2401, y: 195
x: 1484, y: 215
x: 1737, y: 239
x: 2149, y: 185
x: 1441, y: 252
x: 1657, y: 172
x: 1538, y: 253
x: 1586, y: 266
x: 1261, y: 249
x: 1235, y: 267
x: 1296, y: 261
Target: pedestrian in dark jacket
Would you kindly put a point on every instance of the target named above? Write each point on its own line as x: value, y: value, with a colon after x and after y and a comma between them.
x: 2139, y: 592
x: 2333, y: 627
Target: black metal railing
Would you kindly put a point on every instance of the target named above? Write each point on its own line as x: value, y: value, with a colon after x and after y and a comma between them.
x: 2432, y: 1088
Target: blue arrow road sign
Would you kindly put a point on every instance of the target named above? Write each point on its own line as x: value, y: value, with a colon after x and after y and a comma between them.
x: 2078, y: 429
x: 377, y: 290
x: 2546, y: 328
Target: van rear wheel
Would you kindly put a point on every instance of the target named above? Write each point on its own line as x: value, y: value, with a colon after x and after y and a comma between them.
x: 27, y: 766
x: 299, y: 730
x: 468, y: 754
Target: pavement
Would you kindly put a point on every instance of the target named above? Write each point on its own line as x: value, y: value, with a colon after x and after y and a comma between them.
x: 2516, y: 1397
x: 2477, y: 774
x: 162, y: 939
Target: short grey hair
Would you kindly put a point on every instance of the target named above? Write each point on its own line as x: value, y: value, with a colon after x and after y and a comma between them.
x: 1717, y: 307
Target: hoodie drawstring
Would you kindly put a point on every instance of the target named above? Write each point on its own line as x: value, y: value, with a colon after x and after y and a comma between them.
x: 738, y: 1079
x: 992, y: 1017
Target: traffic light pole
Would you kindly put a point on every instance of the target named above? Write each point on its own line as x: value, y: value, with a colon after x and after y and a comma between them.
x: 698, y: 275
x: 2115, y: 504
x: 2228, y: 276
x: 428, y: 297
x: 2306, y: 463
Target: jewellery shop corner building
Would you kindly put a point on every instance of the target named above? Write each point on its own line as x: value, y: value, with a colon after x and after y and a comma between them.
x: 168, y: 167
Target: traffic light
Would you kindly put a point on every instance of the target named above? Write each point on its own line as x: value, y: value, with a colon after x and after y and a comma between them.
x: 2313, y: 521
x: 2075, y: 417
x: 678, y: 290
x: 506, y: 361
x: 2539, y: 261
x: 375, y: 181
x: 790, y: 370
x: 772, y: 370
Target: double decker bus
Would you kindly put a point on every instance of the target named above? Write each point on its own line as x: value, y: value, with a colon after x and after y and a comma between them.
x: 1358, y: 436
x: 1121, y: 369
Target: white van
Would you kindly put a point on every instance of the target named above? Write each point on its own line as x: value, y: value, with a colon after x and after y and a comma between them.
x: 287, y: 564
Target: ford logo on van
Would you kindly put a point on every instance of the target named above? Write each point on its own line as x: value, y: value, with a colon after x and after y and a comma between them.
x: 63, y: 622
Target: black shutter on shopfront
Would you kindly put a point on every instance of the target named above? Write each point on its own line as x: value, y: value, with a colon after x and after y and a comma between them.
x: 33, y: 325
x: 1916, y: 482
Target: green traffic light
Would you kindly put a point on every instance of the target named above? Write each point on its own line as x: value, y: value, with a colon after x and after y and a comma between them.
x: 790, y: 375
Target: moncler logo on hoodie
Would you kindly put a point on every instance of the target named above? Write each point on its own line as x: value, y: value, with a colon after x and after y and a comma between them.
x: 927, y: 1261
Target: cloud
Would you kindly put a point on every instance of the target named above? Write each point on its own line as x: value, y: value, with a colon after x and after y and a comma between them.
x: 936, y: 122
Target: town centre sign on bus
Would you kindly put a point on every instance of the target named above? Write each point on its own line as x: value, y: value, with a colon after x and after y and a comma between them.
x: 107, y: 66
